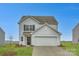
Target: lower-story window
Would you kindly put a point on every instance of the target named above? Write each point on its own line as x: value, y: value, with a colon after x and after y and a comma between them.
x: 21, y: 38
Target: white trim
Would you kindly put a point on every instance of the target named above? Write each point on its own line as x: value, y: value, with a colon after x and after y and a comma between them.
x: 46, y: 24
x: 45, y: 36
x: 27, y: 18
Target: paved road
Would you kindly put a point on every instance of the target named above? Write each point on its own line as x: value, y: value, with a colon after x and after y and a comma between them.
x: 50, y: 51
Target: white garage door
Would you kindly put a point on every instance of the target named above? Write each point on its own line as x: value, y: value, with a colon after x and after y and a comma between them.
x: 45, y: 41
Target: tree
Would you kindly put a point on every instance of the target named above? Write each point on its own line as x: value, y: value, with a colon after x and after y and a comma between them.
x: 11, y: 39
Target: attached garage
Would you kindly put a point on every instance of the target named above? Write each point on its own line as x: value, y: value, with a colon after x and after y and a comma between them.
x: 45, y: 36
x: 45, y: 40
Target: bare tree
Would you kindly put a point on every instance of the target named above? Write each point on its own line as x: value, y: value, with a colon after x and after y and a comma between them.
x: 11, y: 39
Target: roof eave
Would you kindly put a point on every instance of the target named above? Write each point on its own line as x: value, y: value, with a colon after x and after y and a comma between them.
x: 75, y: 27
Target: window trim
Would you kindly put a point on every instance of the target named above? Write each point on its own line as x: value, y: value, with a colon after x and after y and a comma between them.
x: 29, y: 27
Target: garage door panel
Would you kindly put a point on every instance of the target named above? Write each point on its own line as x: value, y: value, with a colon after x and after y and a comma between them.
x: 45, y: 36
x: 45, y: 40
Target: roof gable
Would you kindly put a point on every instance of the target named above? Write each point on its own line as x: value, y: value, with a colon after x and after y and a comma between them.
x: 76, y: 26
x: 41, y: 19
x: 48, y: 26
x: 2, y: 30
x: 25, y: 18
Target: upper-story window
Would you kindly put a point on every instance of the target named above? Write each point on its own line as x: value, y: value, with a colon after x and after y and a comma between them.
x: 29, y: 27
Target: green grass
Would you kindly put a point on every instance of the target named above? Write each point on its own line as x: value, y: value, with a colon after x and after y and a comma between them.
x: 16, y: 51
x: 69, y: 46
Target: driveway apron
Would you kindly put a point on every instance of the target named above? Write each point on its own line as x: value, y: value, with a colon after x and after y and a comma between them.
x: 50, y: 51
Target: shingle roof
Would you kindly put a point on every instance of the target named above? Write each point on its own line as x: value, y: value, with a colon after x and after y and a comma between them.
x: 41, y: 19
x: 75, y: 27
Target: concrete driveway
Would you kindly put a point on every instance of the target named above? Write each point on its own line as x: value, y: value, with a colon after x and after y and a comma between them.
x: 50, y: 51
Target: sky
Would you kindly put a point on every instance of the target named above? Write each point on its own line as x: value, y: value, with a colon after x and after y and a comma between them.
x: 66, y: 14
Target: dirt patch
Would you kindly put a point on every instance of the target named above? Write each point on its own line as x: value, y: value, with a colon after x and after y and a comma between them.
x: 17, y: 45
x: 9, y: 53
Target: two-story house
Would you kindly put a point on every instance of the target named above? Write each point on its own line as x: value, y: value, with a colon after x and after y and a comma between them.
x: 39, y: 31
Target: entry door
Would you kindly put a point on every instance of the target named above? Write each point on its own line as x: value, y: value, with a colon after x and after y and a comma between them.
x: 28, y: 40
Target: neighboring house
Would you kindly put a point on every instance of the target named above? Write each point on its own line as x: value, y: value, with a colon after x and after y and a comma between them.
x: 2, y: 36
x: 75, y: 34
x: 39, y: 31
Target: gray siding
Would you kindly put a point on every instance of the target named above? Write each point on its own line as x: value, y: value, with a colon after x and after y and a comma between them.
x: 75, y: 34
x: 2, y: 37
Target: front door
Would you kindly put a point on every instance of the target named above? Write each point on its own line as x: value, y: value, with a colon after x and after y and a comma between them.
x: 28, y: 40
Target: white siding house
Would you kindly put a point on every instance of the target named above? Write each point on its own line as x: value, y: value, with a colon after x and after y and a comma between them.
x: 2, y: 36
x: 39, y: 31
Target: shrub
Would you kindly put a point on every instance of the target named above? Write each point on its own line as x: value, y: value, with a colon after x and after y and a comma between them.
x: 61, y: 45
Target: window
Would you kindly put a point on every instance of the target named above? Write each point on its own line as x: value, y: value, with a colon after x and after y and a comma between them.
x: 33, y: 28
x: 29, y: 27
x: 26, y: 27
x: 21, y: 38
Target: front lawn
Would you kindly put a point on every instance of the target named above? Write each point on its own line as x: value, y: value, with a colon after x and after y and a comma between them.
x: 69, y: 46
x: 13, y: 50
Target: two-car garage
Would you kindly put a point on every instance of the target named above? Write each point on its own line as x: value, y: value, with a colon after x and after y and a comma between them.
x: 45, y: 36
x: 45, y: 41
